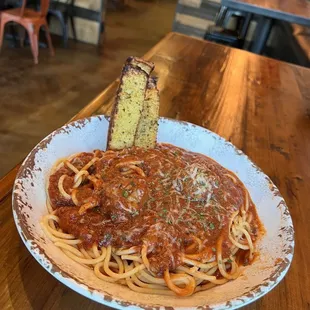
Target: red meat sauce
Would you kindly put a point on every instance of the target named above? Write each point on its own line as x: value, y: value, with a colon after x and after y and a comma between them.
x: 182, y: 196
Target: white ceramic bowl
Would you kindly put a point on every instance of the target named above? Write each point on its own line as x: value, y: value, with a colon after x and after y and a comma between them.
x: 276, y: 247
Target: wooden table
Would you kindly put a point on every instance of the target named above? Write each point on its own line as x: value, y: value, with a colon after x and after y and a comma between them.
x: 260, y: 105
x: 292, y: 11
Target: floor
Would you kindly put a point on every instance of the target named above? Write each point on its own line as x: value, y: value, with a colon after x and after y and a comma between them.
x: 37, y: 99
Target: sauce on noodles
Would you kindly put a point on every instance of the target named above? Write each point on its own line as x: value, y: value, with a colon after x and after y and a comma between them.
x: 173, y: 202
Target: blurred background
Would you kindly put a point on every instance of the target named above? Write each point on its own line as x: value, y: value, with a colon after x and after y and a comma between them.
x: 91, y: 40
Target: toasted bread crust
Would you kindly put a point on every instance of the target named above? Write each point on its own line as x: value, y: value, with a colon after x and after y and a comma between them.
x: 128, y: 103
x: 146, y: 66
x: 146, y: 134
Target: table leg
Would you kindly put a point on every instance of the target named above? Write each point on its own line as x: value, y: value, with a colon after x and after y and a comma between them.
x: 262, y: 32
x: 101, y: 21
x: 220, y: 16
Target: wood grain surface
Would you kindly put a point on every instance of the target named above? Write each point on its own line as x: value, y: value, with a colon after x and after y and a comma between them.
x: 262, y: 106
x: 294, y: 11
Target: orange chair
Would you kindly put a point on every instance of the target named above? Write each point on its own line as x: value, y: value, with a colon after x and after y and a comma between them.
x: 32, y: 21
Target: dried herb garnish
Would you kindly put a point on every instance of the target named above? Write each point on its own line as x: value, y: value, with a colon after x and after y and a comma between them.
x: 125, y: 193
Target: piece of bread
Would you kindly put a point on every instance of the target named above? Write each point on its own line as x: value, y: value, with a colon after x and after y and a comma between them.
x: 146, y: 134
x: 128, y: 103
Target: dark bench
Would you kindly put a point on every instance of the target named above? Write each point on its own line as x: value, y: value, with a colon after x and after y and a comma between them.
x: 292, y: 43
x: 302, y: 37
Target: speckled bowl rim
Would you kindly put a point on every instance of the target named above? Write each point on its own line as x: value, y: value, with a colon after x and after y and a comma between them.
x: 111, y: 301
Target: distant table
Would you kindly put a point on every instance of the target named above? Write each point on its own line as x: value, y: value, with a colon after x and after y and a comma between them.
x: 259, y: 104
x: 292, y: 11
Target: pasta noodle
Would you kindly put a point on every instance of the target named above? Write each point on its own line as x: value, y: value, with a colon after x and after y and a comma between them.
x: 161, y: 221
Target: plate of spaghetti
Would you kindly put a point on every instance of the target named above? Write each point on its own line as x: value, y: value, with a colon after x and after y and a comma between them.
x: 150, y: 212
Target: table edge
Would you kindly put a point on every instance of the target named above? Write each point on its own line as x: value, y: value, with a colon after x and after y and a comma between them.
x: 298, y: 67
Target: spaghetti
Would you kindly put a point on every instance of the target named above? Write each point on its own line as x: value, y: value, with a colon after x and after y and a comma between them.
x: 161, y: 221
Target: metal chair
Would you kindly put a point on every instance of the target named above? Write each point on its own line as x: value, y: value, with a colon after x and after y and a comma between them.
x: 12, y: 33
x: 219, y: 32
x: 63, y: 12
x: 31, y: 20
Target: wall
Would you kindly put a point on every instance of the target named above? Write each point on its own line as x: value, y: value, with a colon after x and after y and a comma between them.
x: 87, y: 30
x: 193, y: 17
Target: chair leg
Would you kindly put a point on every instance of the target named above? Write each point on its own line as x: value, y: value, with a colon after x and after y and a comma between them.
x: 62, y: 19
x: 21, y: 34
x: 33, y: 37
x: 220, y: 16
x: 65, y: 29
x: 48, y: 18
x: 2, y: 25
x: 49, y: 39
x: 246, y: 25
x: 73, y: 27
x: 12, y: 30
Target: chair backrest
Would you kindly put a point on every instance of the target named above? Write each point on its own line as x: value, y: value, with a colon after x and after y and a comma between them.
x: 22, y: 9
x: 44, y: 5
